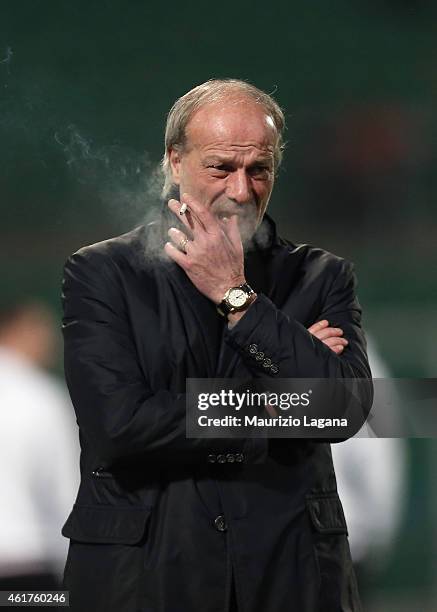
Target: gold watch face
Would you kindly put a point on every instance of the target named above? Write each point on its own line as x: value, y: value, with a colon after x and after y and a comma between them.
x: 237, y: 297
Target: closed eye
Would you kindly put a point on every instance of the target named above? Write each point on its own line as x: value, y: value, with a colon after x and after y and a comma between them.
x: 221, y: 167
x: 259, y: 171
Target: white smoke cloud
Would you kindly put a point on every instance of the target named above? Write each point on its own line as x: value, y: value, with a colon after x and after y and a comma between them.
x: 127, y: 181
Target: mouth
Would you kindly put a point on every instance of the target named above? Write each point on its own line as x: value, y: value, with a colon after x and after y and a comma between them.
x: 243, y: 216
x: 224, y: 216
x: 246, y: 217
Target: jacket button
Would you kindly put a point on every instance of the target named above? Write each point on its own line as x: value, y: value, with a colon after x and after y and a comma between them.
x: 274, y: 369
x: 221, y: 458
x: 253, y: 348
x: 259, y: 356
x: 220, y: 523
x: 230, y: 458
x: 267, y: 362
x: 239, y: 457
x: 212, y: 458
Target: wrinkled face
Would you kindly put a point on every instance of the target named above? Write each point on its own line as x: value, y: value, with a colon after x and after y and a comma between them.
x: 228, y: 161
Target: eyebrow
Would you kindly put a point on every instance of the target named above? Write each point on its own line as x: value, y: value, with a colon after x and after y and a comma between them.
x: 213, y: 159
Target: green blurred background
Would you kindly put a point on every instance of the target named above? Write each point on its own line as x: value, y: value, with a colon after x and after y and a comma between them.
x: 84, y: 92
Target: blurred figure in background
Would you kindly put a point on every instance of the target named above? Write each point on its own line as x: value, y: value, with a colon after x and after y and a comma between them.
x: 372, y: 480
x: 38, y: 451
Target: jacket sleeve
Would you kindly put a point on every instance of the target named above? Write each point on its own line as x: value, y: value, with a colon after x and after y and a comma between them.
x: 275, y: 344
x: 117, y: 412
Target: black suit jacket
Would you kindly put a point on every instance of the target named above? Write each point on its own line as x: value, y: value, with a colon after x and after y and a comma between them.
x: 156, y: 527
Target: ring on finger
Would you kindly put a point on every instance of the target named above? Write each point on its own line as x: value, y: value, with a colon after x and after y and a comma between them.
x: 183, y: 243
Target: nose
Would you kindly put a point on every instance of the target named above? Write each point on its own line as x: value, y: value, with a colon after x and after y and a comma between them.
x: 238, y: 187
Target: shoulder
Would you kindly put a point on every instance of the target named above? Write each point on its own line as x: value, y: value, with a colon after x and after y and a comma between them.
x: 109, y: 257
x: 113, y: 249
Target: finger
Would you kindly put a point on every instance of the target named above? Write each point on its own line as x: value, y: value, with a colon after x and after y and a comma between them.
x: 333, y: 341
x: 317, y: 326
x: 337, y: 349
x: 186, y: 218
x: 231, y: 229
x: 175, y: 254
x: 201, y: 215
x: 327, y: 332
x: 179, y: 239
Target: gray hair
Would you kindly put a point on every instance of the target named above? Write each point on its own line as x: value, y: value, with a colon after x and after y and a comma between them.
x: 212, y: 91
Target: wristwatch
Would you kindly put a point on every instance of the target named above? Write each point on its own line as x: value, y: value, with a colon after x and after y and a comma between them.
x: 236, y: 299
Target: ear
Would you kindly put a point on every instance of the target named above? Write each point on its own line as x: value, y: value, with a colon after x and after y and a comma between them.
x: 174, y: 157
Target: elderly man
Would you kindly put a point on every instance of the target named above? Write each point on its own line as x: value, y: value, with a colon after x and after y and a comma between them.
x: 167, y: 523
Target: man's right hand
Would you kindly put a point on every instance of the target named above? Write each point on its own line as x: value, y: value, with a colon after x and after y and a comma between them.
x: 331, y: 336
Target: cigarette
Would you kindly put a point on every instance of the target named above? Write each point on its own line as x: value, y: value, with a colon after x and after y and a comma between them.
x: 183, y: 209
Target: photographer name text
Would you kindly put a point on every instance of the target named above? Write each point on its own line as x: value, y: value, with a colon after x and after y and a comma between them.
x: 278, y: 421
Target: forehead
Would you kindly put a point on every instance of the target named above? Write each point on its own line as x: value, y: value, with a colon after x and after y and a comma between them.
x: 231, y: 123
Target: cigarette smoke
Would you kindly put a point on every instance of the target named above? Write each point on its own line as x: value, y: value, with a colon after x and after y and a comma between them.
x: 127, y: 182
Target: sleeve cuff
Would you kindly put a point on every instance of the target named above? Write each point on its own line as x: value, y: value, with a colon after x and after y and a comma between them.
x: 251, y: 336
